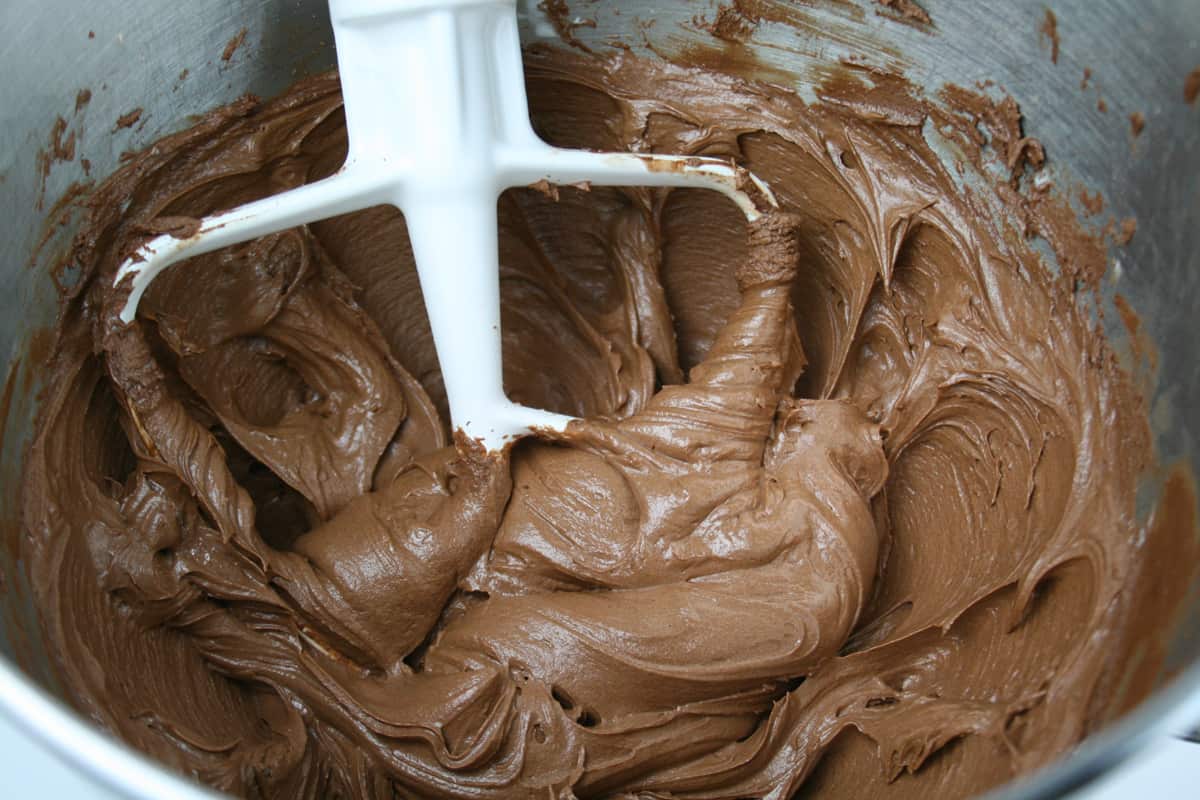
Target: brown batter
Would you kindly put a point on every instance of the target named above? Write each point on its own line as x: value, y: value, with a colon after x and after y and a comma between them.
x: 852, y: 510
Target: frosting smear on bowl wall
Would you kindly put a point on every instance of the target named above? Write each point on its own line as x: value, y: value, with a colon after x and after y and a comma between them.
x: 851, y: 508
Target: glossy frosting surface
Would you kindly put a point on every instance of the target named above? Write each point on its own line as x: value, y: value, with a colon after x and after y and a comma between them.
x: 851, y: 510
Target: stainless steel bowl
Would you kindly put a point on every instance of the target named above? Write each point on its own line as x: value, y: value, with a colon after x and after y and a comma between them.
x: 133, y: 53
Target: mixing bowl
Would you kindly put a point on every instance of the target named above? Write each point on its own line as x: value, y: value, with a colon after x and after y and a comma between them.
x: 75, y: 74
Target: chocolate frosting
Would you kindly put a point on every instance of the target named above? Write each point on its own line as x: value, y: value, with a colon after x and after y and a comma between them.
x: 851, y: 508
